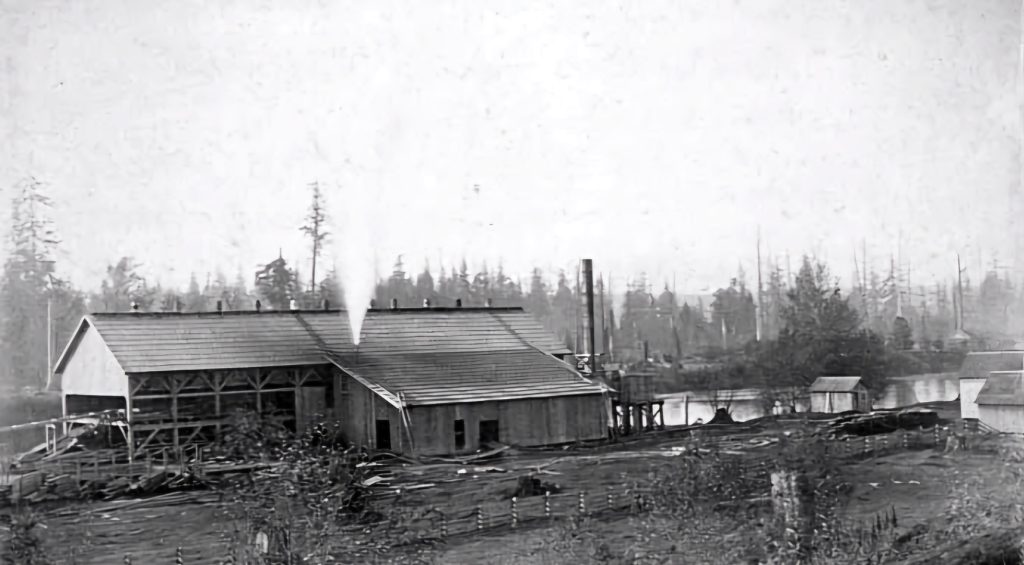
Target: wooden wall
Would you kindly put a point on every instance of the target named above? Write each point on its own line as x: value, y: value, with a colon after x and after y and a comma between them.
x: 92, y: 370
x: 530, y: 422
x: 1006, y: 419
x: 359, y: 409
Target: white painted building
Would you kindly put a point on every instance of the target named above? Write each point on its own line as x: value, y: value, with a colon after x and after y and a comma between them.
x: 975, y: 370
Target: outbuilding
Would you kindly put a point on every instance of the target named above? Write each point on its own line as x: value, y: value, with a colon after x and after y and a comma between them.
x: 1001, y: 401
x: 839, y: 394
x: 975, y: 370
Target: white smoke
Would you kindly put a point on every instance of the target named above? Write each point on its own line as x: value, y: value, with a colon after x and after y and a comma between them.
x: 353, y: 245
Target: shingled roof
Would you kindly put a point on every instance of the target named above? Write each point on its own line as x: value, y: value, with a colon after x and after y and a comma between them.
x: 431, y: 356
x: 1006, y: 389
x: 978, y: 365
x: 456, y: 377
x: 835, y: 384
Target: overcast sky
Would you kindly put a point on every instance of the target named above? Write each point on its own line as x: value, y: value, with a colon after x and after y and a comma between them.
x: 649, y: 135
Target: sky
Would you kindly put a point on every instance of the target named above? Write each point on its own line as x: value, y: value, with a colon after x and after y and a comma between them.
x: 654, y: 136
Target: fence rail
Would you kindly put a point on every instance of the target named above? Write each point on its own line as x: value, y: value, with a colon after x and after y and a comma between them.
x: 469, y: 516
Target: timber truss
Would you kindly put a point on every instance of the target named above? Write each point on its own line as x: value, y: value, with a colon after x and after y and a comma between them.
x: 172, y: 411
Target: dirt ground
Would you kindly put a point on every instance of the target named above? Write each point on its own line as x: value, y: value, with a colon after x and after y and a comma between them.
x: 919, y: 485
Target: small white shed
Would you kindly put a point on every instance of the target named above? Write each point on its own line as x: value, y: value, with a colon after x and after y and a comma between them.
x: 1001, y: 401
x: 839, y: 394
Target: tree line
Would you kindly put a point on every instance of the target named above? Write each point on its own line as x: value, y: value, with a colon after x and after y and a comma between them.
x: 638, y: 326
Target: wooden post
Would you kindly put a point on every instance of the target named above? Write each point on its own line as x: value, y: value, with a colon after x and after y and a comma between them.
x: 547, y: 504
x: 515, y: 513
x: 479, y: 518
x: 173, y: 385
x: 217, y: 378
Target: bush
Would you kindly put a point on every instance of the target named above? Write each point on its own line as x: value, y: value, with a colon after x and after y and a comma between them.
x: 23, y: 546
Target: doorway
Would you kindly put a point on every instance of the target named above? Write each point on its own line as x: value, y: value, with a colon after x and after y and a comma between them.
x: 489, y: 432
x: 383, y: 434
x: 460, y: 435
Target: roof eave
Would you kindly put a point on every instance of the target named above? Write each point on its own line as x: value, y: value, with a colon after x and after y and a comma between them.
x: 83, y: 326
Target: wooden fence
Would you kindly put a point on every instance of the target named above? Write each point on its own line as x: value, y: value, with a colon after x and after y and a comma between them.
x: 467, y: 517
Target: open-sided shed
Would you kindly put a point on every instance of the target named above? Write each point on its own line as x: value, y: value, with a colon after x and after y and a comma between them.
x: 839, y: 394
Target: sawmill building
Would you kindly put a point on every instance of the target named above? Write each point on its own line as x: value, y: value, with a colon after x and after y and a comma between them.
x: 421, y: 381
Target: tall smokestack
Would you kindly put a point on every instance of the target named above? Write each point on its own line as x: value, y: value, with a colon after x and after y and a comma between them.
x: 588, y: 309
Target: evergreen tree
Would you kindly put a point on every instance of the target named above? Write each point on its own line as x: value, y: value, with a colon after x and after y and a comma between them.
x: 122, y: 288
x: 537, y: 301
x: 195, y: 300
x: 275, y: 284
x: 821, y: 336
x: 315, y: 229
x: 463, y: 286
x: 563, y: 312
x: 170, y: 300
x: 27, y: 278
x: 734, y: 314
x: 902, y: 337
x: 425, y: 286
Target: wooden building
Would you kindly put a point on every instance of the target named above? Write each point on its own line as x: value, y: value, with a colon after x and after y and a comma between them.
x: 451, y: 380
x: 421, y: 380
x: 975, y: 370
x: 179, y: 376
x: 1001, y: 401
x: 839, y: 394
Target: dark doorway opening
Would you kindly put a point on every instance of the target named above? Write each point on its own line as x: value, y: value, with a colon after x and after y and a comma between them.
x: 383, y: 434
x: 460, y: 434
x: 488, y: 432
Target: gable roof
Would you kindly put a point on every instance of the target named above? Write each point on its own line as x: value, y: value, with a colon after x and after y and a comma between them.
x: 978, y: 365
x: 436, y: 330
x: 144, y: 342
x: 449, y: 377
x: 1006, y: 389
x: 835, y: 384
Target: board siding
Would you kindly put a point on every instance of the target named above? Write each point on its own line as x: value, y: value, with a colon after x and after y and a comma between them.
x: 93, y: 370
x: 532, y: 422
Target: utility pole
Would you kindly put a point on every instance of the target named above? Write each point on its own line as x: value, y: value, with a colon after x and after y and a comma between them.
x: 760, y: 290
x: 960, y: 294
x: 49, y: 342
